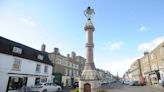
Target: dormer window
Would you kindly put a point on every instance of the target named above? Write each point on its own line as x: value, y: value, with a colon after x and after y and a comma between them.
x: 17, y: 50
x: 40, y: 57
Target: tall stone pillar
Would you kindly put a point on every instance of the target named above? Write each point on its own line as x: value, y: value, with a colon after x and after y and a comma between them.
x: 90, y: 79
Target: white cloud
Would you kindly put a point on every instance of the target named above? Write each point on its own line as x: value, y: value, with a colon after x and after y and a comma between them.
x: 120, y: 66
x: 32, y: 23
x: 148, y: 46
x: 143, y: 28
x: 25, y: 20
x: 113, y: 46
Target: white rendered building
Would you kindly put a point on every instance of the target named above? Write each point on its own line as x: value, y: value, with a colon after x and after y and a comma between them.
x: 22, y: 65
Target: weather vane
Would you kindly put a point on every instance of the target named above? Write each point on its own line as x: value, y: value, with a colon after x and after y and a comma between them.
x: 89, y: 12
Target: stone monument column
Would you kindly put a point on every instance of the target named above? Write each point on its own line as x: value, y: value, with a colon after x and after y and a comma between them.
x: 90, y: 79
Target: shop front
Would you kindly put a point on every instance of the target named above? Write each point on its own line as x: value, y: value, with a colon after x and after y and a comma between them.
x: 16, y: 83
x: 155, y: 77
x: 21, y: 82
x: 161, y: 71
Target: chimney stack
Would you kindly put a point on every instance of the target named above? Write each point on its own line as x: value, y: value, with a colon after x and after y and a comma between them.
x: 145, y: 53
x: 68, y: 55
x: 73, y: 54
x: 56, y: 50
x: 43, y: 47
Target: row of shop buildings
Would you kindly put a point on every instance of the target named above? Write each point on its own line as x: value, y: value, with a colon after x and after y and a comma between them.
x: 23, y: 65
x: 149, y: 67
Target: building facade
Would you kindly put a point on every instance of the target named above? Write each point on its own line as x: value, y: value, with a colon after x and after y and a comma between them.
x: 127, y: 76
x: 81, y: 62
x: 105, y: 76
x: 21, y: 65
x: 146, y: 67
x: 136, y: 70
x: 152, y: 65
x: 157, y: 64
x: 66, y: 69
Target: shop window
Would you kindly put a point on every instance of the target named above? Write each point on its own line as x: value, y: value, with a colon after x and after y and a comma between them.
x: 44, y: 79
x: 154, y: 79
x: 37, y: 81
x: 16, y: 82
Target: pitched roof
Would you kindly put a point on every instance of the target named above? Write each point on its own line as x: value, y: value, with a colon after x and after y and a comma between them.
x: 6, y: 47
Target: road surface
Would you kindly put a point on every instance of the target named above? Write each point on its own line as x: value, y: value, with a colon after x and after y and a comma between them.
x: 118, y: 87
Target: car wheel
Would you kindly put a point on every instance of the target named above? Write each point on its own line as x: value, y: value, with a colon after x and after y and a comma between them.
x: 58, y: 90
x: 163, y: 85
x: 44, y: 90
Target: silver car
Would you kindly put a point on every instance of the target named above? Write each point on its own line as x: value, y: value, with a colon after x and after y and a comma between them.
x: 46, y: 87
x: 133, y: 83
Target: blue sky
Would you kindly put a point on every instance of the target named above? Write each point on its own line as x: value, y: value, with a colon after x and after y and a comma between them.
x: 123, y: 28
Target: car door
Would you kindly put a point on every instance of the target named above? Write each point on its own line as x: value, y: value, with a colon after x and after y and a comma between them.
x: 54, y: 87
x: 51, y: 87
x: 48, y: 87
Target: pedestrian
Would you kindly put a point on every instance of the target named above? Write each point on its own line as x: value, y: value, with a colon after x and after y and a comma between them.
x: 62, y: 84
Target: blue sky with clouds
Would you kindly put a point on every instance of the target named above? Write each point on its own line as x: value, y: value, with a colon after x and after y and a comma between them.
x: 124, y: 28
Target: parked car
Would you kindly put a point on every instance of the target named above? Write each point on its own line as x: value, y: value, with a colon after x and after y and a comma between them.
x: 46, y: 87
x: 121, y: 81
x: 105, y: 83
x: 133, y: 83
x: 75, y: 84
x: 126, y: 82
x: 161, y: 82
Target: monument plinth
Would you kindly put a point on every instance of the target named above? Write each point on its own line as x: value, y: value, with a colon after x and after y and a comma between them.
x: 90, y: 79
